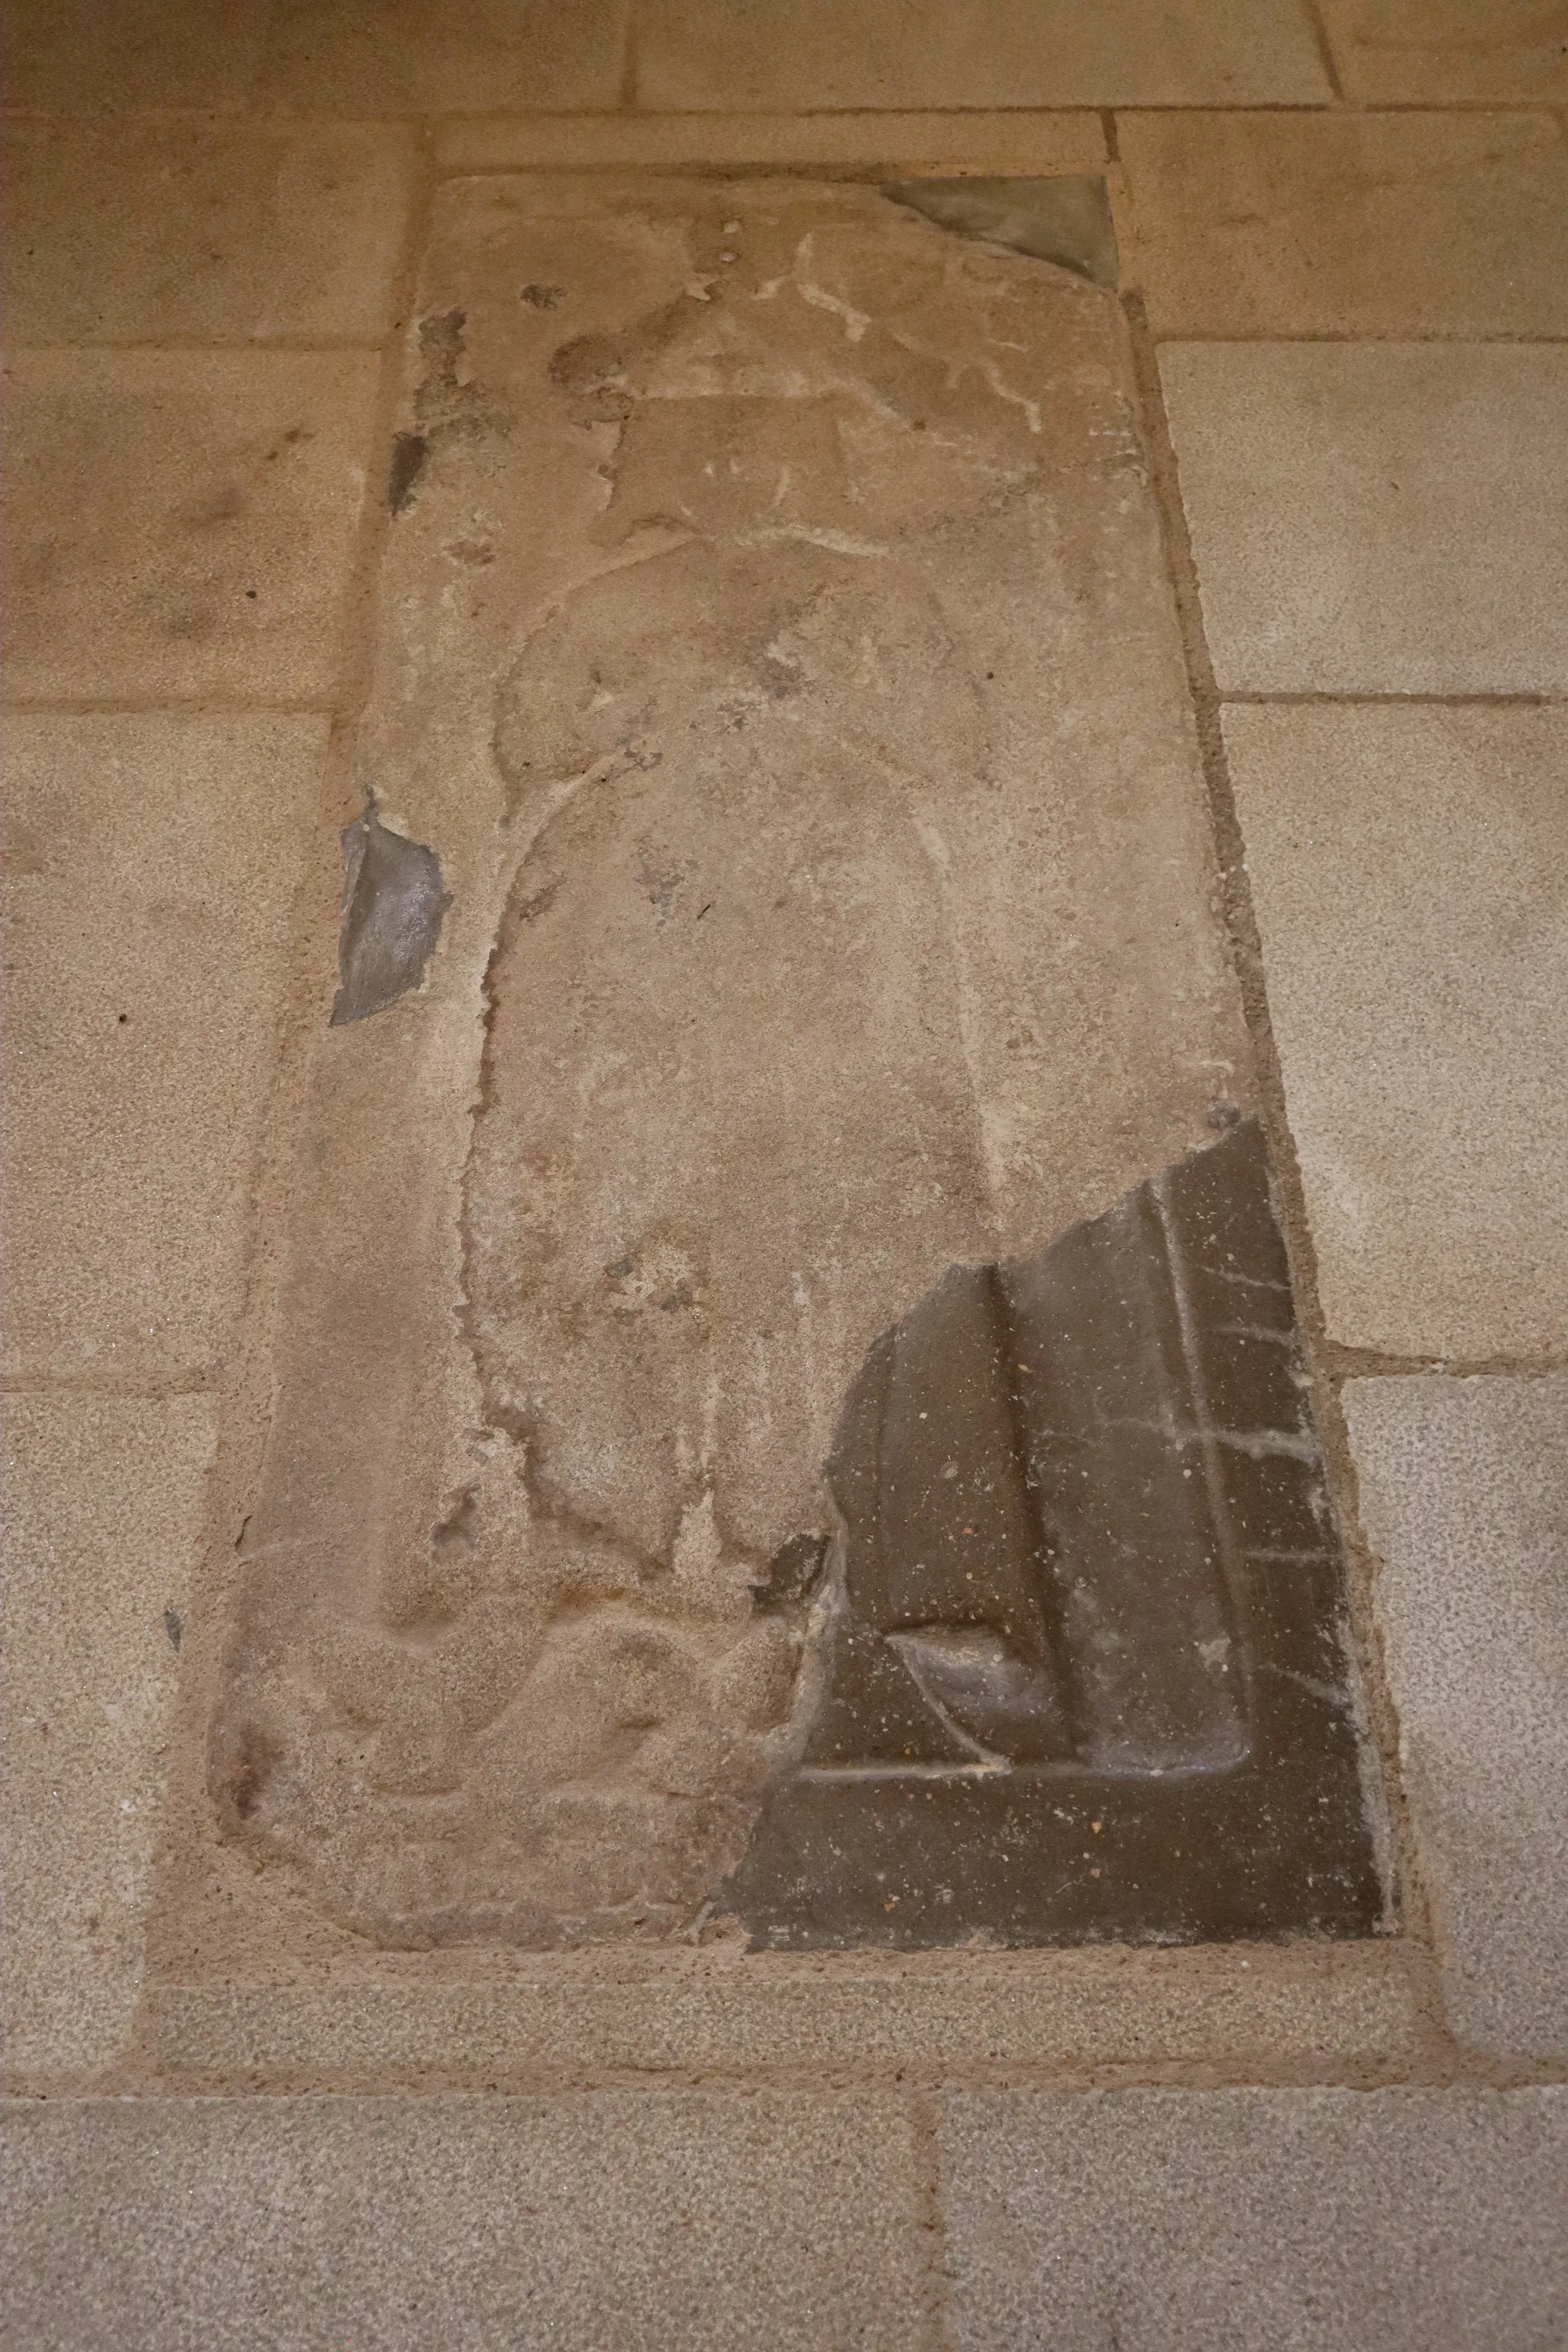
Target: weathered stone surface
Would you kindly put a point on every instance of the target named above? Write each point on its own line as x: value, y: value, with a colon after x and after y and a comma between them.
x: 1464, y: 1493
x: 778, y: 659
x: 1309, y: 2220
x: 662, y: 2219
x: 1399, y: 52
x: 104, y: 1501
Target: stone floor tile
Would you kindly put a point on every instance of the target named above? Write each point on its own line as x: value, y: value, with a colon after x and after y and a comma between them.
x: 103, y: 1509
x: 1305, y: 2220
x: 1410, y: 871
x: 1464, y: 1497
x: 816, y: 53
x: 1406, y: 52
x: 1023, y: 142
x: 1313, y: 2005
x: 435, y: 57
x: 149, y: 873
x: 656, y: 2222
x: 131, y: 232
x: 81, y: 57
x: 1380, y: 224
x: 182, y: 524
x: 1377, y: 518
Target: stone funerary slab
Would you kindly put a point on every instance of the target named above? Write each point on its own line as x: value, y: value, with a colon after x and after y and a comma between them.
x: 788, y: 1417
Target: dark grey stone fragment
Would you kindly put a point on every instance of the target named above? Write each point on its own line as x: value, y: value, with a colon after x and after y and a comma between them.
x: 1065, y: 220
x: 1084, y: 1676
x: 393, y: 906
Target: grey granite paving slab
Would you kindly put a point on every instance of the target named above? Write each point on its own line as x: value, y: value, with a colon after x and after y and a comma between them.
x: 603, y: 2220
x: 1464, y: 1494
x: 1257, y: 2221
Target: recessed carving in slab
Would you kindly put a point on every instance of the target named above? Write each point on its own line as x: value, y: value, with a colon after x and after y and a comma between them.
x: 777, y: 655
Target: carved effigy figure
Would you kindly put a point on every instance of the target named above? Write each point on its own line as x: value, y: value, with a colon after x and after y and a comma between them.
x: 810, y: 1446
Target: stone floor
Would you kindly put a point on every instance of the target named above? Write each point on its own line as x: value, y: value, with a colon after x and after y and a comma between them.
x: 491, y: 417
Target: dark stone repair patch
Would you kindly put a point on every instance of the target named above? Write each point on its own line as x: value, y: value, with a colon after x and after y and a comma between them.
x: 1066, y: 220
x: 393, y: 906
x: 1085, y: 1678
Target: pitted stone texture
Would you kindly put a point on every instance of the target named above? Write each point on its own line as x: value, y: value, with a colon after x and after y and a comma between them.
x: 104, y: 1500
x: 1428, y: 52
x: 1464, y: 1496
x: 779, y: 660
x: 1331, y: 224
x: 441, y: 57
x: 1319, y: 2220
x: 182, y: 524
x: 1410, y: 872
x: 887, y: 53
x: 151, y: 866
x: 129, y: 232
x: 664, y: 2220
x: 1377, y: 518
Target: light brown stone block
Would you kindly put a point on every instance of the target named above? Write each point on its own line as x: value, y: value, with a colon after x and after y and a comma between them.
x: 1019, y: 143
x: 1377, y: 518
x: 437, y: 57
x: 1312, y: 2008
x: 150, y: 863
x: 137, y: 232
x: 182, y: 524
x: 666, y: 2221
x: 103, y: 1507
x: 1464, y: 1496
x: 79, y: 57
x: 1427, y: 52
x: 1408, y: 867
x: 1381, y: 225
x: 888, y: 53
x: 1225, y: 2220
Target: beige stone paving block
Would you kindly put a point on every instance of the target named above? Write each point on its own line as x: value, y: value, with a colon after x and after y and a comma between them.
x: 1464, y: 1495
x: 1438, y: 50
x: 1320, y: 2007
x: 1317, y: 2220
x: 116, y: 56
x: 642, y: 2221
x: 130, y: 232
x: 182, y: 524
x: 151, y: 862
x: 817, y: 53
x: 1377, y: 225
x: 1015, y: 144
x: 1410, y: 872
x: 431, y: 57
x: 103, y: 1515
x: 1377, y: 518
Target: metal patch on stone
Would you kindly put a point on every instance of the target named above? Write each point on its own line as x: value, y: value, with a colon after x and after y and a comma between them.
x: 730, y: 1459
